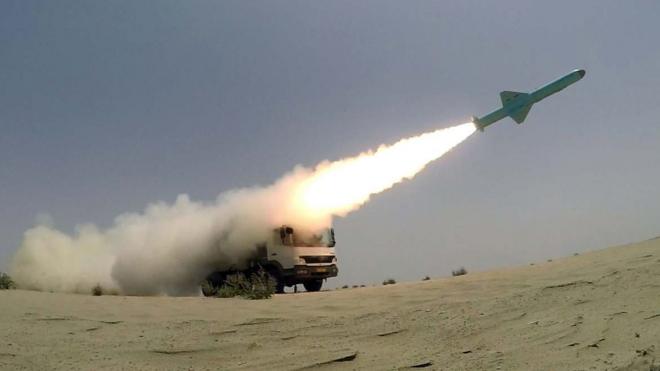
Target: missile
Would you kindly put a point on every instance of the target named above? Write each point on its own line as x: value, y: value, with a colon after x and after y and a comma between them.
x: 517, y: 105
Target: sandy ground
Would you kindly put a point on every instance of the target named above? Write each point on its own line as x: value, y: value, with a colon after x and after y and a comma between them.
x: 595, y: 311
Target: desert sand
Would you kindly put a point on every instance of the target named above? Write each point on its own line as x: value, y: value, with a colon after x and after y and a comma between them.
x: 596, y: 311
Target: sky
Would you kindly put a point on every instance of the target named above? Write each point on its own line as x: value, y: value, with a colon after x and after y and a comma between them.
x: 107, y: 106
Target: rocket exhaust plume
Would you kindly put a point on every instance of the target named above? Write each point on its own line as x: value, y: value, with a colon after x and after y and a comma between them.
x: 170, y: 248
x: 342, y: 186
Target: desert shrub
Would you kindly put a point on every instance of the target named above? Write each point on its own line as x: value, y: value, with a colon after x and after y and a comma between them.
x: 426, y: 278
x: 363, y: 286
x: 6, y: 283
x: 234, y: 285
x: 355, y: 286
x: 344, y: 287
x: 97, y: 290
x: 224, y: 291
x: 260, y: 285
x: 459, y: 272
x: 208, y: 289
x: 389, y: 281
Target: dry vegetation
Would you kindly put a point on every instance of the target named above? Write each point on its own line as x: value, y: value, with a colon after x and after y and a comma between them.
x: 459, y: 272
x: 260, y: 285
x: 389, y: 281
x: 6, y: 283
x: 97, y: 290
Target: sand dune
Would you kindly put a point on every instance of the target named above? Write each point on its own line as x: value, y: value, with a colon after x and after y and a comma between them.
x: 595, y: 311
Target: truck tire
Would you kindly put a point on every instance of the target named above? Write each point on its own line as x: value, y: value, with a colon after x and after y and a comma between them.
x: 279, y: 287
x: 313, y: 285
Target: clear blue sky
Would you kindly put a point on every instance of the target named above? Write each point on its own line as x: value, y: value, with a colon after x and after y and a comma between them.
x: 106, y: 106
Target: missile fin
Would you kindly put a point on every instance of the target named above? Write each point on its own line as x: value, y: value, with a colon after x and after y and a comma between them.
x: 520, y: 115
x: 507, y: 96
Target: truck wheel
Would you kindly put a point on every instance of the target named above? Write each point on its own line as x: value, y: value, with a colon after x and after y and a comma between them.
x: 313, y: 285
x: 279, y: 287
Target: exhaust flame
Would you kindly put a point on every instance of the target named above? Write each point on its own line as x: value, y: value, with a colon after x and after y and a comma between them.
x: 340, y: 187
x: 170, y: 249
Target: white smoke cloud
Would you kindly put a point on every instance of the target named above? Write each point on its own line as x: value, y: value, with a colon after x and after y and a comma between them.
x: 166, y: 249
x: 170, y: 248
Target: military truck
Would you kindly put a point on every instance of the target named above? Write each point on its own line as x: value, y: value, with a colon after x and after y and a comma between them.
x: 290, y: 256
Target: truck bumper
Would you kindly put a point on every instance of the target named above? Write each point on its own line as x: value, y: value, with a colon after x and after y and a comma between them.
x: 315, y: 272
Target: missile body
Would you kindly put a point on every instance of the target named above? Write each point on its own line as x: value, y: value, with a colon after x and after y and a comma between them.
x: 517, y: 105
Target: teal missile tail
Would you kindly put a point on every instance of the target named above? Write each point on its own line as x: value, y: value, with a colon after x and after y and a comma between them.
x: 517, y: 105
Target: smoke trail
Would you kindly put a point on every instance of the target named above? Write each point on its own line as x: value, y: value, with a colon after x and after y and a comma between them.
x: 340, y: 187
x: 169, y: 249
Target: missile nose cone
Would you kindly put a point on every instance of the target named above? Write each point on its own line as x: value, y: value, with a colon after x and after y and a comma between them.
x: 581, y: 72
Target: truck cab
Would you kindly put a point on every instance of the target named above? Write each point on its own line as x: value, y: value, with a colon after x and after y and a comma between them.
x: 291, y: 256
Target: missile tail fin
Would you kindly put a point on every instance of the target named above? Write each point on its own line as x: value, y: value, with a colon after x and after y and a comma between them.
x: 520, y: 115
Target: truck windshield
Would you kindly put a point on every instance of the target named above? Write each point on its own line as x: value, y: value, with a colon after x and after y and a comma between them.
x: 298, y: 237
